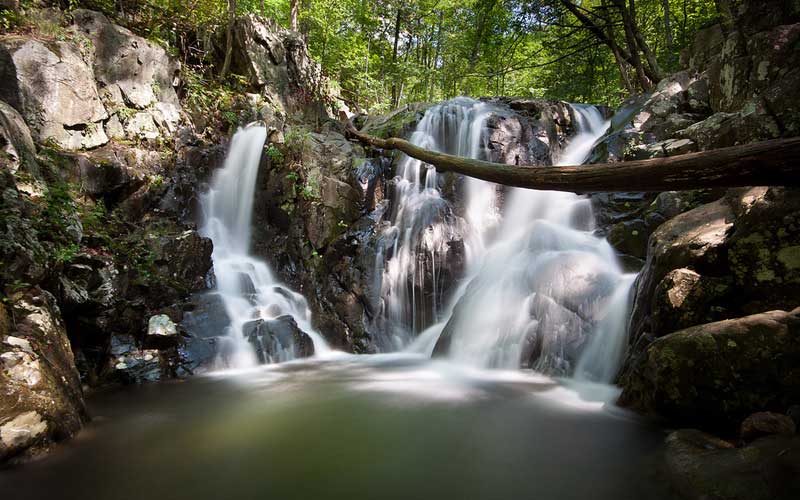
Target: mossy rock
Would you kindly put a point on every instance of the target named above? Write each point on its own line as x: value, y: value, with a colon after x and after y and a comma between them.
x: 714, y: 375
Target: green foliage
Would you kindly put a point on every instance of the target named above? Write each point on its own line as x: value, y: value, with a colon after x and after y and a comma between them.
x: 156, y: 180
x: 381, y: 54
x: 57, y: 207
x: 275, y: 156
x: 10, y: 20
x: 297, y: 142
x: 66, y: 253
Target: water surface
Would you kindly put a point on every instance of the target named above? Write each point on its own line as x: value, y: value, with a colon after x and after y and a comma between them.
x: 350, y: 427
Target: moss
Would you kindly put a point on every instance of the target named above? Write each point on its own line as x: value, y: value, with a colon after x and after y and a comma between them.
x: 790, y: 257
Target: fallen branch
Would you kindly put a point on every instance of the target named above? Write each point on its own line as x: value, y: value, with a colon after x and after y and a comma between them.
x: 768, y: 163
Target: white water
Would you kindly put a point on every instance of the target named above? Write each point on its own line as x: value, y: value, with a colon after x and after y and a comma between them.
x: 423, y: 223
x: 541, y: 290
x: 246, y: 284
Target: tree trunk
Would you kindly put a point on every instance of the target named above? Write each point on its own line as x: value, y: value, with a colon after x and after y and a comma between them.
x: 725, y: 14
x: 630, y: 39
x: 226, y: 65
x: 655, y: 68
x: 305, y: 24
x: 667, y: 25
x: 294, y: 8
x: 630, y: 56
x: 768, y: 163
x: 395, y: 96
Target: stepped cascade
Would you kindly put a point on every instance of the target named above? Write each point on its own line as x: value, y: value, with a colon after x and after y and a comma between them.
x: 537, y: 286
x: 247, y: 285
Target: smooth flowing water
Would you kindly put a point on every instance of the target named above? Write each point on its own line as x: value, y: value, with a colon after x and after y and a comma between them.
x: 246, y: 284
x: 416, y: 246
x: 355, y: 427
x: 539, y: 286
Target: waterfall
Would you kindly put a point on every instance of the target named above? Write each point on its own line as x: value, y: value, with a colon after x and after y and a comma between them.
x: 417, y: 245
x: 247, y: 286
x: 539, y: 289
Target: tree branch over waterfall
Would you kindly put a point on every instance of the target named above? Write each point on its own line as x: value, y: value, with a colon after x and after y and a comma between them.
x: 767, y: 163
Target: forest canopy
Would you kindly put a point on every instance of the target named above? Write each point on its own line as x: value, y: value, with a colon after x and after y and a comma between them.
x: 382, y: 54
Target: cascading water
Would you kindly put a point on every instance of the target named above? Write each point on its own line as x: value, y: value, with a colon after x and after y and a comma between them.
x: 539, y: 286
x: 246, y: 284
x: 415, y: 247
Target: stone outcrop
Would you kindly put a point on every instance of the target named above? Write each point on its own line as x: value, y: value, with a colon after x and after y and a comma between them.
x: 278, y: 339
x: 93, y: 242
x: 104, y: 83
x: 727, y: 259
x: 278, y: 66
x: 736, y: 87
x: 41, y: 401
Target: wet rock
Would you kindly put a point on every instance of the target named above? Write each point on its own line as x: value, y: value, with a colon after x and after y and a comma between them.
x: 714, y: 375
x: 131, y: 365
x: 700, y: 466
x: 54, y: 90
x: 278, y: 339
x: 764, y: 423
x: 42, y: 400
x: 205, y: 324
x: 184, y: 258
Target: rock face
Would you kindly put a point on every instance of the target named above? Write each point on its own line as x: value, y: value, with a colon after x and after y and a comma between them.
x: 41, y: 401
x: 54, y: 89
x: 278, y: 65
x: 736, y: 87
x: 104, y: 83
x: 15, y: 139
x: 727, y: 259
x: 107, y: 231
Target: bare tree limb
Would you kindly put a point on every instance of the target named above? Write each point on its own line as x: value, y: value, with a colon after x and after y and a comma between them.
x: 767, y: 163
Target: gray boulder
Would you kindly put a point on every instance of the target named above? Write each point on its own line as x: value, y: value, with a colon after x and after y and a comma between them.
x: 53, y: 88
